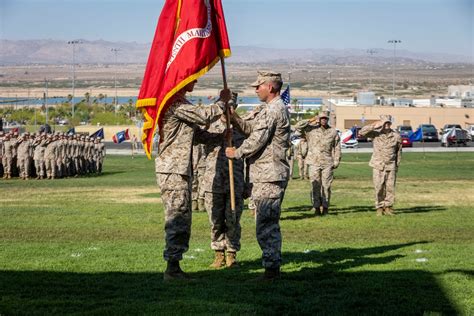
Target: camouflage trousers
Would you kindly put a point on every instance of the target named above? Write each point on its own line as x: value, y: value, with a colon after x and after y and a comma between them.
x: 50, y: 166
x: 77, y: 165
x: 268, y: 198
x: 39, y: 167
x: 23, y: 164
x: 7, y: 164
x: 302, y: 167
x: 100, y: 162
x: 384, y: 183
x: 176, y: 198
x: 198, y: 177
x: 321, y: 180
x: 60, y: 167
x: 225, y: 230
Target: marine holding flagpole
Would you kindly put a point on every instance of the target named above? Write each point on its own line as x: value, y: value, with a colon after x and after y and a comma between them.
x: 190, y: 38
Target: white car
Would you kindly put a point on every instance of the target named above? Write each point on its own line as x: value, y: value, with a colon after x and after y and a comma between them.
x: 351, y: 143
x: 470, y: 132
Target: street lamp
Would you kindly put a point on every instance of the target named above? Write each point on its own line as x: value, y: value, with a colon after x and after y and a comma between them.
x: 46, y: 99
x: 115, y: 51
x: 330, y: 88
x: 371, y: 52
x: 73, y: 43
x: 394, y: 42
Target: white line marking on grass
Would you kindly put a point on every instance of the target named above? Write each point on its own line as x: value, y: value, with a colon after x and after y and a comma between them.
x: 421, y: 260
x: 76, y: 255
x: 189, y: 257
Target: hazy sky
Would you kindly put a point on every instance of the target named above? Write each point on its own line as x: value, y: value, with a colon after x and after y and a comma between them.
x: 423, y: 25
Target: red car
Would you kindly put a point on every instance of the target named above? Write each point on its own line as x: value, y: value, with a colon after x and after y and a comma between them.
x: 406, y: 142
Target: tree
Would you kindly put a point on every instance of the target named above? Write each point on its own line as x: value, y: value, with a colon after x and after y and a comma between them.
x: 87, y: 97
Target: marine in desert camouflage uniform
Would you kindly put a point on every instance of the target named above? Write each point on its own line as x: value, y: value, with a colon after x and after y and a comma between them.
x: 173, y: 167
x: 301, y: 150
x: 324, y: 155
x: 268, y: 134
x: 386, y: 157
x: 225, y: 223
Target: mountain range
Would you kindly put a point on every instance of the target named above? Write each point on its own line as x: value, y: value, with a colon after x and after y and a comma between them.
x: 48, y: 51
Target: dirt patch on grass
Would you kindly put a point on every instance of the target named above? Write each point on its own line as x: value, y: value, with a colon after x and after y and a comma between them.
x: 106, y: 195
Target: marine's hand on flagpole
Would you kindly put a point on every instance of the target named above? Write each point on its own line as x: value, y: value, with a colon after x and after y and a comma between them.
x: 225, y: 95
x: 230, y: 152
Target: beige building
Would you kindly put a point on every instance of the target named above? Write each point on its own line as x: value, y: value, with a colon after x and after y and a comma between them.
x: 348, y: 116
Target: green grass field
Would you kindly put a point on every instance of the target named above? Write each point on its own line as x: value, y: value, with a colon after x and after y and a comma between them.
x: 94, y: 245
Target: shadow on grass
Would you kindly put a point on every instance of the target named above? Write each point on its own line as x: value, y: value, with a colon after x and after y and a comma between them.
x: 304, y: 211
x: 421, y: 209
x: 321, y: 286
x: 110, y: 173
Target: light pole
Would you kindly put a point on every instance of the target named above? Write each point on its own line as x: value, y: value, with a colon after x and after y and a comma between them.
x: 73, y: 43
x: 115, y: 51
x: 46, y: 99
x: 330, y: 88
x: 371, y: 52
x: 394, y: 42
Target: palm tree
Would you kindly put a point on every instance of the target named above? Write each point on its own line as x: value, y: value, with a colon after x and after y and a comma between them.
x: 87, y: 97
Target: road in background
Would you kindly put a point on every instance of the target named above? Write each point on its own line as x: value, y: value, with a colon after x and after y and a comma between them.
x: 125, y: 148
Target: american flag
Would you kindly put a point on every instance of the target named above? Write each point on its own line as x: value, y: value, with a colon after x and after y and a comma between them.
x: 285, y: 96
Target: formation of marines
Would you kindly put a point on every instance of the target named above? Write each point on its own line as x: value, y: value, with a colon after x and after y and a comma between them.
x: 49, y: 156
x: 192, y: 169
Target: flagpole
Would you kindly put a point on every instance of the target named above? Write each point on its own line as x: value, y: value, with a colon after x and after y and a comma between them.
x: 229, y: 142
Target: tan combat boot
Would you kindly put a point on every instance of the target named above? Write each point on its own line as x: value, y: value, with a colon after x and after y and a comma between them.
x: 231, y: 260
x: 379, y: 211
x: 388, y: 211
x: 219, y: 260
x: 9, y: 176
x: 194, y: 206
x: 174, y: 272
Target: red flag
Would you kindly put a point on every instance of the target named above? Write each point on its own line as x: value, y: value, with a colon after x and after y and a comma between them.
x: 190, y: 38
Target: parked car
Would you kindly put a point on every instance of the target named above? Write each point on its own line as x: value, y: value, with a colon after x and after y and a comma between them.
x: 456, y: 137
x: 429, y: 133
x: 406, y: 142
x: 470, y: 132
x: 405, y: 130
x: 351, y: 143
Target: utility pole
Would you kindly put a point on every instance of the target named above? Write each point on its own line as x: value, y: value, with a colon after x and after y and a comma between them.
x: 371, y: 52
x: 115, y: 51
x: 330, y: 88
x: 394, y: 42
x: 46, y: 99
x: 73, y: 43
